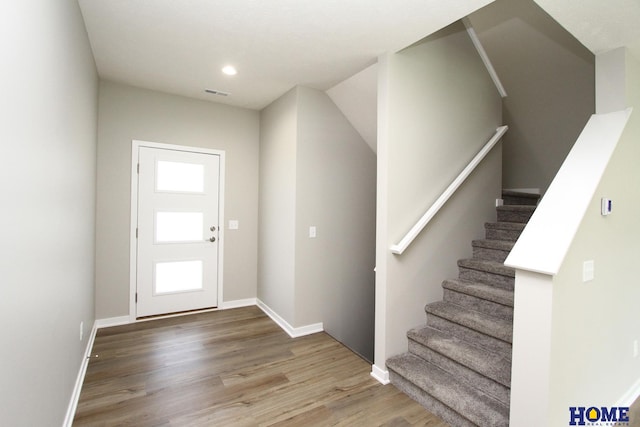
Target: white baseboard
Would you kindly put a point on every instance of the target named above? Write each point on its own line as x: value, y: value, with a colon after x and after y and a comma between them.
x: 249, y: 302
x: 125, y: 320
x: 293, y: 332
x: 630, y: 396
x: 75, y: 395
x: 112, y: 321
x: 382, y: 375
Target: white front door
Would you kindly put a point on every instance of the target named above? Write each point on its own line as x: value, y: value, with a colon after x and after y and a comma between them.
x: 178, y: 231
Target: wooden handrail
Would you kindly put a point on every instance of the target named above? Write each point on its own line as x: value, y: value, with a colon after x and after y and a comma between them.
x: 399, y: 248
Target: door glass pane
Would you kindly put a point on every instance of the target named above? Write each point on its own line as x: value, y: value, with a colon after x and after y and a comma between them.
x: 178, y: 276
x: 179, y: 226
x: 179, y: 176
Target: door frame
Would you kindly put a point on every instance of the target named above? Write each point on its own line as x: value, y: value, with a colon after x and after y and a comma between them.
x: 133, y: 240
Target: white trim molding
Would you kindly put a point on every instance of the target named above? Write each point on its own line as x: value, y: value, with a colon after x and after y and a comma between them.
x: 292, y: 331
x: 112, y: 321
x: 239, y: 303
x: 77, y: 388
x: 382, y: 375
x: 485, y: 58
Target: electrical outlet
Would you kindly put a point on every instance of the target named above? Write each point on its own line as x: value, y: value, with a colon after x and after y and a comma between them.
x: 81, y: 330
x: 313, y: 232
x: 635, y: 349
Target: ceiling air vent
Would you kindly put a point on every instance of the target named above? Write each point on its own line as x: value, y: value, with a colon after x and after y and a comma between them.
x: 217, y: 92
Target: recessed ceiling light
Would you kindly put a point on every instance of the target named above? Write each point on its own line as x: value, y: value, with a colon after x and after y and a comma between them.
x: 229, y: 70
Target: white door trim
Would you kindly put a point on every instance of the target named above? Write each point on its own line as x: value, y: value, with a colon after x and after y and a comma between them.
x: 133, y: 243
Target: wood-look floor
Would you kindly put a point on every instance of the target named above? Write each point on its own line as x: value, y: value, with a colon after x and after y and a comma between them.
x: 634, y: 415
x: 233, y: 368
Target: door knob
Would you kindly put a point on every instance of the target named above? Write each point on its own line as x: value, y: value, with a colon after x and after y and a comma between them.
x: 212, y: 228
x: 212, y: 239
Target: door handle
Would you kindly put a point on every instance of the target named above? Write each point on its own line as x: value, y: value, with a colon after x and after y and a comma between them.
x: 212, y: 239
x: 212, y: 228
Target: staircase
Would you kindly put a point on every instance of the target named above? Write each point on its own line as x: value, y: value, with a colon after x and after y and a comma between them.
x: 459, y: 364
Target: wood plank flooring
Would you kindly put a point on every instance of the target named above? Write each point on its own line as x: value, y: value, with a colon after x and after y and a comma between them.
x: 233, y: 368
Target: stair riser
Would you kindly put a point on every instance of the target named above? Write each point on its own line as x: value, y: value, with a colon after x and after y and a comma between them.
x: 490, y: 254
x: 499, y: 234
x: 497, y: 280
x: 482, y: 340
x: 425, y: 399
x: 461, y: 372
x: 522, y: 201
x: 514, y: 216
x: 478, y: 304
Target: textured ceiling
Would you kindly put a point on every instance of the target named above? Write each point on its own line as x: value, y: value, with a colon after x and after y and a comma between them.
x: 599, y: 25
x: 180, y: 46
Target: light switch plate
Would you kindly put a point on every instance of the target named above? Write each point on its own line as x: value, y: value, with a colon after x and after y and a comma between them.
x: 588, y: 271
x: 312, y: 232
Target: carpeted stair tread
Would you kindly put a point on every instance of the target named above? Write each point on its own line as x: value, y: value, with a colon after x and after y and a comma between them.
x: 508, y: 231
x: 516, y: 208
x: 462, y: 372
x: 501, y: 245
x: 487, y: 363
x: 494, y: 327
x: 477, y: 296
x: 433, y: 405
x: 488, y: 266
x: 480, y: 290
x: 515, y: 213
x: 511, y: 197
x: 491, y: 272
x: 505, y: 225
x: 494, y: 250
x: 467, y: 401
x: 515, y: 193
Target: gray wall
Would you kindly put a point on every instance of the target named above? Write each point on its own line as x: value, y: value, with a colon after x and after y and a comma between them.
x: 437, y: 108
x: 550, y: 80
x: 47, y: 181
x: 336, y: 192
x: 127, y: 113
x: 316, y: 170
x: 276, y: 263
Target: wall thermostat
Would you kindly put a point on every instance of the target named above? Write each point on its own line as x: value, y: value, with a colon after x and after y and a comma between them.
x: 606, y: 206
